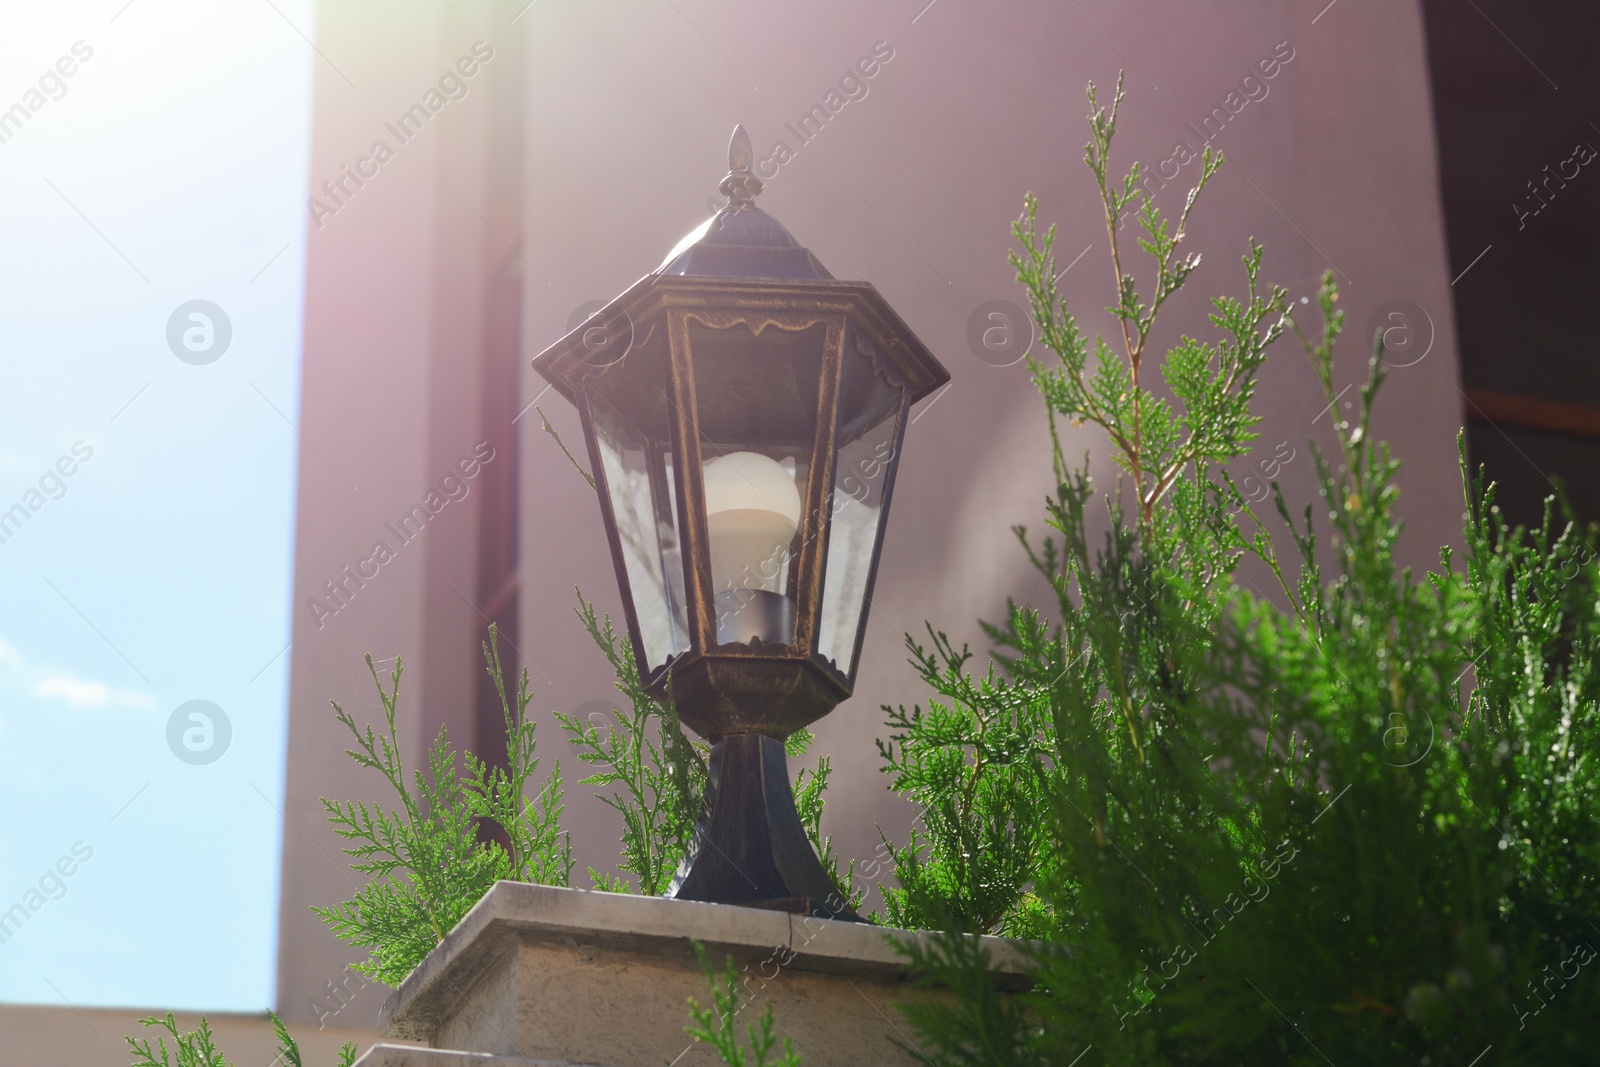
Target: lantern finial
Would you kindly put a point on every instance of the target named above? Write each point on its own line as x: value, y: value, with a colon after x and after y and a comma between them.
x: 741, y: 187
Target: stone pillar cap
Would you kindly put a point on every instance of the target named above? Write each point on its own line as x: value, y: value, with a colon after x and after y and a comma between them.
x: 514, y: 912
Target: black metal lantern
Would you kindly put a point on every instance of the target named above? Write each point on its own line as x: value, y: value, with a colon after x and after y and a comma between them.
x: 744, y: 412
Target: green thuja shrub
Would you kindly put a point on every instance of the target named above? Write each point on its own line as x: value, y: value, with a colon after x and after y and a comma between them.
x: 1346, y: 815
x: 432, y: 859
x: 716, y: 1026
x: 429, y: 860
x: 655, y: 773
x: 198, y: 1048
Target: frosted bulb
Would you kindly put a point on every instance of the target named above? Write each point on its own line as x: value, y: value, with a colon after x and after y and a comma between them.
x: 752, y: 510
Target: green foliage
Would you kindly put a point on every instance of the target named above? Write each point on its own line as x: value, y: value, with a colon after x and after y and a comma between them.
x: 197, y: 1048
x: 289, y: 1051
x: 430, y: 859
x: 659, y: 772
x: 980, y: 759
x: 1357, y: 822
x: 972, y: 1023
x: 967, y: 760
x: 810, y: 789
x: 714, y: 1026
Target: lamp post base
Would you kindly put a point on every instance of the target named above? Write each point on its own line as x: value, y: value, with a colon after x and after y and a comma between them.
x: 750, y: 847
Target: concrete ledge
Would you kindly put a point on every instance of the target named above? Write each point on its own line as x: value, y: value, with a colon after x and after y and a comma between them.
x: 411, y: 1056
x: 585, y: 976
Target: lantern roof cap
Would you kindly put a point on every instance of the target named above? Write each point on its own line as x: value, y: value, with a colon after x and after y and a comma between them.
x: 739, y: 254
x: 741, y: 240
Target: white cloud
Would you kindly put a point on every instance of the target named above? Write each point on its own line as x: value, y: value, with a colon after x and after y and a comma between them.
x: 84, y: 694
x: 78, y: 692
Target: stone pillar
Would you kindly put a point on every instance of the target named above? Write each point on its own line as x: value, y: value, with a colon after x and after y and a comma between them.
x: 542, y: 975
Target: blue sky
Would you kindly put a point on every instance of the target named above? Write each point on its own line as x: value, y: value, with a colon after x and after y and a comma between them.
x: 171, y: 167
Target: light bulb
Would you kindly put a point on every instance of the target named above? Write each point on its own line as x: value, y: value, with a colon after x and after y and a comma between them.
x: 752, y: 511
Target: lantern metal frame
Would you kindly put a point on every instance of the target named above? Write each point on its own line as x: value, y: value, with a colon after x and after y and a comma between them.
x: 744, y: 272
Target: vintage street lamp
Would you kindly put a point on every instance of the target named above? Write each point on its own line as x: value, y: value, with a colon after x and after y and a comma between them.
x: 744, y: 412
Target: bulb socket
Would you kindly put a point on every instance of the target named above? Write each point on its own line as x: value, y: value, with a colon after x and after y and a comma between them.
x: 744, y: 615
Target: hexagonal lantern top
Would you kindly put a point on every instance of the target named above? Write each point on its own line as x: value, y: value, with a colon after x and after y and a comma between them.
x: 744, y: 412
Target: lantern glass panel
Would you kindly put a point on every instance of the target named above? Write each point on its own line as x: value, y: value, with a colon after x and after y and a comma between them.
x: 638, y: 479
x: 756, y: 400
x: 872, y: 403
